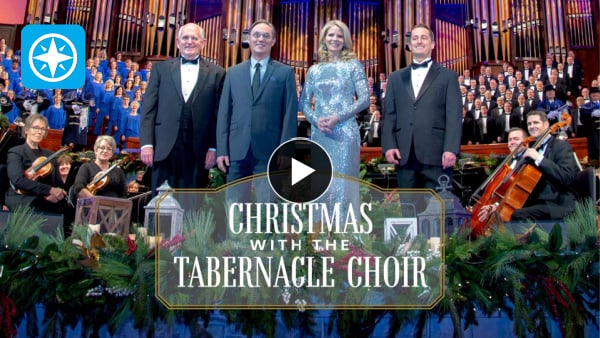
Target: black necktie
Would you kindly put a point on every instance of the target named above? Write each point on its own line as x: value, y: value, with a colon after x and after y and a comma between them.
x: 193, y: 61
x: 420, y: 65
x: 256, y: 80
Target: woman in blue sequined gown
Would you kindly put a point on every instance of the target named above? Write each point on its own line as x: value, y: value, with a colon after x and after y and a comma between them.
x: 338, y: 86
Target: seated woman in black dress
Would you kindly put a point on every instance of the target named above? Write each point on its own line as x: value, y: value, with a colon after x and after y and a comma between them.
x: 44, y: 193
x: 117, y: 183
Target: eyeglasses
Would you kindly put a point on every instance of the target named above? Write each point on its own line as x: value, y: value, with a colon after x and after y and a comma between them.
x: 39, y: 129
x: 105, y: 148
x: 257, y: 35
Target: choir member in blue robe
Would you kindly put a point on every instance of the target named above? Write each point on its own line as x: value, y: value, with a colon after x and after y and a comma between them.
x: 56, y: 114
x: 117, y: 101
x: 132, y: 127
x: 96, y: 88
x: 129, y: 89
x: 104, y: 108
x: 122, y: 114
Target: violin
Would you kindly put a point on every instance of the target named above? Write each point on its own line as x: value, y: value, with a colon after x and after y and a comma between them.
x: 510, y: 188
x: 100, y: 180
x: 41, y: 167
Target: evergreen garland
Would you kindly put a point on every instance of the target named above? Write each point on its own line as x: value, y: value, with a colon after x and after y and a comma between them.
x: 98, y: 279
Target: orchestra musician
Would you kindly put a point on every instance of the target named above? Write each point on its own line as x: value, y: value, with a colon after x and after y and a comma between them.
x: 42, y: 192
x: 117, y: 182
x: 552, y: 197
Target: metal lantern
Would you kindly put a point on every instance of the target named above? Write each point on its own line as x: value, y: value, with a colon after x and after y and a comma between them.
x: 165, y: 212
x: 455, y: 216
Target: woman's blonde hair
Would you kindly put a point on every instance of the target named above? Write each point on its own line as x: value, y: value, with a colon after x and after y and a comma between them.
x: 109, y: 139
x: 347, y: 53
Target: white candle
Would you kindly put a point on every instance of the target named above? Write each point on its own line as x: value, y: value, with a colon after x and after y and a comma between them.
x: 94, y: 228
x: 142, y: 231
x: 434, y: 243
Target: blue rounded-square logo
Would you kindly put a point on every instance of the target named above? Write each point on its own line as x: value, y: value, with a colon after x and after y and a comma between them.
x: 53, y: 56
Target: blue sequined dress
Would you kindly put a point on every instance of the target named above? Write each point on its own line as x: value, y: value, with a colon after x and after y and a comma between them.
x: 338, y: 88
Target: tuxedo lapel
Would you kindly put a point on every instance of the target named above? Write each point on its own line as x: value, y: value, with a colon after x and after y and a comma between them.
x: 433, y: 72
x: 175, y: 69
x: 406, y: 81
x: 201, y: 80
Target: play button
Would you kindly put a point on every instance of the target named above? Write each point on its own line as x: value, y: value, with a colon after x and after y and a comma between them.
x: 299, y: 170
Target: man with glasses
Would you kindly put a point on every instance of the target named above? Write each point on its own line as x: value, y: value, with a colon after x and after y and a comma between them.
x: 258, y: 108
x: 179, y: 115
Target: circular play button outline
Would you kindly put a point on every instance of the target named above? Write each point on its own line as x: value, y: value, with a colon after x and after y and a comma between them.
x: 310, y: 177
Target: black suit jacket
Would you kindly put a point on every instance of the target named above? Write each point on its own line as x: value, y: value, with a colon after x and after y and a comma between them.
x: 468, y: 130
x: 558, y: 172
x: 163, y: 104
x: 488, y: 137
x: 431, y: 119
x: 517, y: 119
x: 573, y: 82
x: 578, y: 130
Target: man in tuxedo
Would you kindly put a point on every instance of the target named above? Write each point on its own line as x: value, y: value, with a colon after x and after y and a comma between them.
x: 585, y: 94
x: 519, y: 113
x: 463, y: 95
x: 488, y: 76
x: 474, y: 87
x: 179, y: 114
x: 552, y: 197
x: 481, y: 93
x: 540, y: 74
x: 577, y: 128
x: 422, y: 127
x: 258, y: 108
x: 509, y: 97
x: 485, y: 128
x: 559, y: 87
x: 489, y: 101
x: 494, y: 88
x: 520, y: 79
x: 470, y: 101
x: 502, y: 119
x: 373, y: 132
x: 590, y: 117
x: 526, y: 70
x: 548, y: 66
x: 466, y: 77
x: 521, y: 89
x: 574, y: 76
x: 532, y: 99
x: 468, y: 128
x: 501, y: 79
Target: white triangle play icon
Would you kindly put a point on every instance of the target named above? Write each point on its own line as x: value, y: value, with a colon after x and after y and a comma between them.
x: 300, y: 171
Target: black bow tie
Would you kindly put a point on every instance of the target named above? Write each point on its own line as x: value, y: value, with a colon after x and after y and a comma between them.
x: 420, y: 65
x: 193, y: 61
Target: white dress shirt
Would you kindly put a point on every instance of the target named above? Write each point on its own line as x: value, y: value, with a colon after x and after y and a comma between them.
x: 417, y: 76
x: 189, y: 76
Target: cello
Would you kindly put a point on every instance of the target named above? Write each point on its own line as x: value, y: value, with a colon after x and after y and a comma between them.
x: 509, y: 187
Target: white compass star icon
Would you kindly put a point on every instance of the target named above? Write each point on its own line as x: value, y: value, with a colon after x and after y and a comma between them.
x: 54, y: 56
